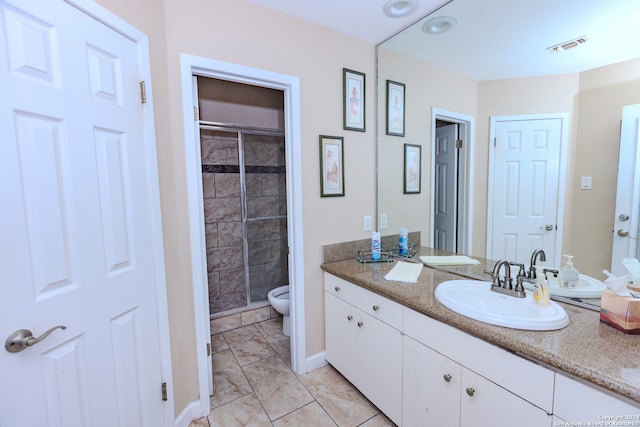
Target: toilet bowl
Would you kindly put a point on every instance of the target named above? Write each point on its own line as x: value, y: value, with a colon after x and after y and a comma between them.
x: 279, y: 300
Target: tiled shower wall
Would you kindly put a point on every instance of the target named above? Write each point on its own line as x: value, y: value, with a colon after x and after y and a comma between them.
x: 266, y: 230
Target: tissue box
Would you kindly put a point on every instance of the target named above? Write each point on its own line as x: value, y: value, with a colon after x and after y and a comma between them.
x: 622, y: 313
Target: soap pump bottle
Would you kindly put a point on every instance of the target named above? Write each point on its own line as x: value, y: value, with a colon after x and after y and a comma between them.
x: 541, y: 293
x: 375, y: 245
x: 403, y: 242
x: 568, y: 274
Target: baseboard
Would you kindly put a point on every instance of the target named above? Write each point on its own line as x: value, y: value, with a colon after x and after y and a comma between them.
x: 193, y: 411
x: 315, y: 361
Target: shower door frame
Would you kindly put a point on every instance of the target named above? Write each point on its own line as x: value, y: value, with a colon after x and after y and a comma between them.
x: 241, y: 130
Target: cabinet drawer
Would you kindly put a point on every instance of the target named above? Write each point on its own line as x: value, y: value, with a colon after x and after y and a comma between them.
x: 528, y: 380
x: 340, y: 288
x: 388, y: 311
x: 577, y: 402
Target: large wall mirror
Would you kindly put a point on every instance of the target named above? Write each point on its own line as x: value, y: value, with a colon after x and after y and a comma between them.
x: 492, y: 59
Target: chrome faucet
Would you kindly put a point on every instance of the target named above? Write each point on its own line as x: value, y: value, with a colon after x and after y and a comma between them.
x: 537, y: 254
x: 505, y: 286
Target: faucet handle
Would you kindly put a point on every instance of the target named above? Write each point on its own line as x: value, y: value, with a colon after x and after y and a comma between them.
x: 521, y: 271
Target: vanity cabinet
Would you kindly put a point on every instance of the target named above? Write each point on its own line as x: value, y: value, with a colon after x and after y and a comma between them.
x: 462, y: 381
x: 582, y: 404
x: 364, y: 342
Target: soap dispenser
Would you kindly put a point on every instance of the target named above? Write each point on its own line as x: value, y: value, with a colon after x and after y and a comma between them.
x: 541, y: 293
x: 568, y: 274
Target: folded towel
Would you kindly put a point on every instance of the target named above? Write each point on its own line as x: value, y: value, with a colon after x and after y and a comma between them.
x: 449, y: 260
x: 406, y: 272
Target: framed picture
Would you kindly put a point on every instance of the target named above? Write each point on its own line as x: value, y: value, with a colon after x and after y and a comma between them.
x: 353, y: 90
x: 395, y: 108
x: 331, y: 166
x: 412, y: 168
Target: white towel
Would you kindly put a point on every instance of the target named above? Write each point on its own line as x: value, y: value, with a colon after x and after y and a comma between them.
x: 449, y: 260
x: 406, y: 272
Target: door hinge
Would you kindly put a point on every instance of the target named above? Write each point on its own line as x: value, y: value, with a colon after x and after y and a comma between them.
x: 208, y: 349
x: 196, y: 113
x: 495, y: 140
x: 164, y: 391
x: 143, y: 92
x: 458, y: 143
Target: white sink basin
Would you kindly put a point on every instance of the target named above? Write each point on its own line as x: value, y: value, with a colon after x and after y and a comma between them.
x: 475, y: 299
x: 587, y: 287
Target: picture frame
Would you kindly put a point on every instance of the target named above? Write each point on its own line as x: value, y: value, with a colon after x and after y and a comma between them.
x: 353, y: 99
x: 395, y: 108
x: 412, y: 168
x: 331, y: 166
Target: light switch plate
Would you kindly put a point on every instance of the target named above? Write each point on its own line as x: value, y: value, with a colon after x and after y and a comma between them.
x: 367, y: 223
x: 585, y: 183
x: 383, y: 221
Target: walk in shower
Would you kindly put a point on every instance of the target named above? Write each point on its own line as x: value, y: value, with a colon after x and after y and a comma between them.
x: 245, y: 215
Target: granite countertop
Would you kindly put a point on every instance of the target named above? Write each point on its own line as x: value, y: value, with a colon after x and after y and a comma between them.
x: 586, y: 349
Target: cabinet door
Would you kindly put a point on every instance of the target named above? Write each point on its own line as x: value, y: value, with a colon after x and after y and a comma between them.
x: 431, y: 387
x: 379, y: 362
x: 340, y: 336
x: 484, y: 403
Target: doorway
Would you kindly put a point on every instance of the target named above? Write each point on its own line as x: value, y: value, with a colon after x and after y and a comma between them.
x: 192, y: 66
x: 451, y: 183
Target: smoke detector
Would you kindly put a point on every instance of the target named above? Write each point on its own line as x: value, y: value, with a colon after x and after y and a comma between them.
x: 568, y: 44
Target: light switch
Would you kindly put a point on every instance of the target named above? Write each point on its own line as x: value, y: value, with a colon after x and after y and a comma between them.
x: 383, y: 221
x: 585, y: 183
x: 367, y: 223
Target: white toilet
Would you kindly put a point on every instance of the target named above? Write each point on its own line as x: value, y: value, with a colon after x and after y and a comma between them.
x: 279, y: 300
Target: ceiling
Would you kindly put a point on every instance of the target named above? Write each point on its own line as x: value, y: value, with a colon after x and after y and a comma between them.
x: 493, y: 39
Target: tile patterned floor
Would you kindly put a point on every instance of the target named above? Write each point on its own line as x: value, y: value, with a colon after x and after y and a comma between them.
x: 254, y: 386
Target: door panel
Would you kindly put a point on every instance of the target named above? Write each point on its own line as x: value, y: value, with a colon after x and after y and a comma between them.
x: 525, y: 177
x: 446, y: 189
x: 77, y: 244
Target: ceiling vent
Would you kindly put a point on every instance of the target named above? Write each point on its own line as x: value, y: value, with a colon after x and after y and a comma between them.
x: 569, y: 44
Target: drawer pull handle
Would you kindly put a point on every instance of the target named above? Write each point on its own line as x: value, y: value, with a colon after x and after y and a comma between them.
x: 360, y: 324
x: 349, y: 317
x: 376, y: 308
x: 337, y: 288
x: 471, y: 391
x: 447, y: 377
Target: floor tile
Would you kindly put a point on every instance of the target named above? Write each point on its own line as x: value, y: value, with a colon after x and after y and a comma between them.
x: 218, y: 343
x: 339, y: 398
x: 311, y: 415
x: 245, y: 411
x: 378, y: 421
x: 272, y: 332
x: 200, y: 422
x: 248, y: 345
x: 277, y: 387
x: 229, y: 382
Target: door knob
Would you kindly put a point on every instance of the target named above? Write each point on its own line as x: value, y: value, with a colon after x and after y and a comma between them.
x: 23, y: 338
x: 623, y: 233
x: 547, y: 227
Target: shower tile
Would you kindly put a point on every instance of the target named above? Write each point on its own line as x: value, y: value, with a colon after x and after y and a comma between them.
x: 270, y: 184
x: 342, y: 401
x: 262, y: 206
x: 225, y: 258
x: 229, y: 233
x: 278, y: 389
x: 232, y: 281
x: 222, y: 210
x: 253, y: 184
x: 228, y: 301
x: 213, y: 280
x: 219, y: 151
x: 255, y: 231
x: 208, y: 186
x: 226, y: 323
x: 246, y: 411
x: 227, y: 185
x: 264, y: 252
x: 229, y: 383
x: 248, y: 345
x: 309, y: 415
x: 211, y: 235
x: 275, y: 230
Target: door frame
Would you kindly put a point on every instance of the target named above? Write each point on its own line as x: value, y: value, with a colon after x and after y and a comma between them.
x: 466, y: 133
x: 562, y: 175
x: 191, y: 65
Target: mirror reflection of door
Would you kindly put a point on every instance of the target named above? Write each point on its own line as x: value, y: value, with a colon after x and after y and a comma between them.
x: 626, y: 221
x: 445, y: 212
x: 524, y: 188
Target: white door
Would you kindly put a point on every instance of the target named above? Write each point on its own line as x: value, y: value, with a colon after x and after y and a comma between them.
x: 625, y: 226
x: 77, y: 248
x: 524, y: 187
x: 446, y: 188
